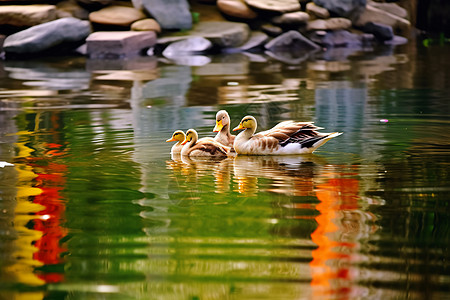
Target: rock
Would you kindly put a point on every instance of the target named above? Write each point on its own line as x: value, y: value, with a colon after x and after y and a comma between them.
x: 92, y: 5
x: 27, y: 15
x: 44, y: 36
x: 271, y: 30
x: 343, y: 8
x: 396, y: 40
x: 375, y: 15
x: 170, y: 14
x: 75, y: 10
x: 292, y: 18
x: 330, y: 24
x: 380, y: 31
x: 256, y: 39
x: 116, y: 15
x: 391, y: 8
x: 291, y: 40
x: 189, y: 46
x: 119, y: 44
x: 341, y: 38
x: 146, y: 25
x: 317, y: 11
x: 279, y: 6
x: 222, y: 33
x: 236, y: 9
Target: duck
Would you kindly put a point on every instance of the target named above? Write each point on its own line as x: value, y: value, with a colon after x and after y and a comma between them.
x: 179, y: 137
x: 223, y: 129
x: 288, y: 137
x: 207, y: 146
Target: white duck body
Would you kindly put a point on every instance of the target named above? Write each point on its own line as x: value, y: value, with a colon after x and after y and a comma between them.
x: 284, y: 139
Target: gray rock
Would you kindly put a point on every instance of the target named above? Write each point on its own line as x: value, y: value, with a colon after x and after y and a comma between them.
x: 119, y: 44
x: 27, y: 15
x: 391, y: 8
x: 396, y: 40
x: 380, y: 31
x: 343, y: 8
x: 372, y: 14
x: 187, y: 47
x: 342, y: 38
x: 44, y: 36
x: 330, y: 24
x: 170, y: 14
x: 222, y: 33
x: 291, y: 47
x: 256, y: 39
x: 279, y: 6
x: 291, y: 40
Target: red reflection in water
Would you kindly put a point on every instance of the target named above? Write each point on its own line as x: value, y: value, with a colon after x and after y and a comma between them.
x: 330, y: 267
x: 51, y: 180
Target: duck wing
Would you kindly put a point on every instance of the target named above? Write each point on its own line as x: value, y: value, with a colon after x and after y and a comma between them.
x: 208, y: 148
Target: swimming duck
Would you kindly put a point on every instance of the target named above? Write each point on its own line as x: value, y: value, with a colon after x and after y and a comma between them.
x: 223, y: 128
x: 179, y: 137
x: 202, y: 147
x: 287, y: 137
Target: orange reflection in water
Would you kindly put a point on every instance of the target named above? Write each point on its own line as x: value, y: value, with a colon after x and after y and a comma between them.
x: 51, y: 180
x: 331, y: 264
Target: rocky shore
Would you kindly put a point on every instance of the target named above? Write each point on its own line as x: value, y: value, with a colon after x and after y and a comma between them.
x: 286, y: 30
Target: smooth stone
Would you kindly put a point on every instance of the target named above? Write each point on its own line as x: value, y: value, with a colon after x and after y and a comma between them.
x: 396, y: 40
x: 375, y: 15
x: 170, y: 14
x: 119, y: 44
x: 271, y: 30
x: 256, y: 40
x: 291, y: 40
x: 191, y: 60
x: 44, y: 36
x: 236, y: 9
x: 392, y: 8
x: 27, y: 15
x: 342, y: 38
x: 116, y: 15
x: 222, y: 33
x: 330, y: 24
x: 380, y: 31
x: 317, y: 11
x: 342, y: 8
x: 292, y: 18
x: 189, y: 46
x: 279, y: 6
x: 146, y: 25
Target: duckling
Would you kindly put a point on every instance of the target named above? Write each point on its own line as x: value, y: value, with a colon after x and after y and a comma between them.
x: 202, y: 147
x: 287, y: 137
x: 223, y: 128
x: 179, y: 137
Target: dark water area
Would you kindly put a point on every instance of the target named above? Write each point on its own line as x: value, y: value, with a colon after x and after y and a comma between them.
x: 94, y: 206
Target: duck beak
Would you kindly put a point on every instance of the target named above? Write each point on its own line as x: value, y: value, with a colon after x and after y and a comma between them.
x: 218, y: 126
x: 171, y: 140
x: 185, y: 141
x: 240, y: 127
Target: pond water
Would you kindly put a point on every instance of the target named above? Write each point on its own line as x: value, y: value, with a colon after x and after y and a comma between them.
x: 95, y: 208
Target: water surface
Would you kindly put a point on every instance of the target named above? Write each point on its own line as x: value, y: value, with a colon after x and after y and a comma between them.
x: 96, y: 208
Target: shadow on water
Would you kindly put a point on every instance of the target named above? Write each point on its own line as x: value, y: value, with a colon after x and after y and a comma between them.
x: 94, y: 207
